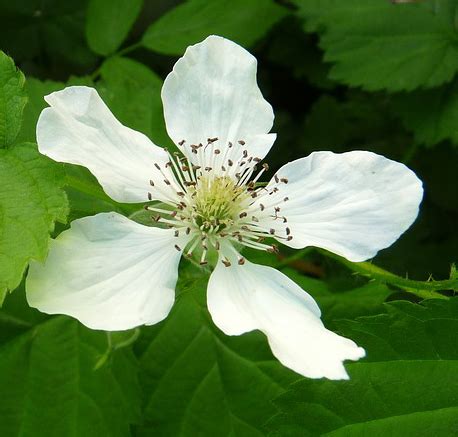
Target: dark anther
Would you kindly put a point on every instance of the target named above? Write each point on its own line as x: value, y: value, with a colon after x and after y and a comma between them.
x: 151, y: 183
x: 180, y: 143
x: 166, y: 182
x: 276, y: 179
x: 241, y: 261
x: 243, y: 214
x: 241, y: 142
x: 284, y: 180
x: 226, y: 263
x: 288, y: 231
x: 277, y: 209
x: 212, y: 140
x: 245, y: 153
x: 257, y: 159
x: 289, y: 238
x: 217, y: 151
x: 176, y: 233
x: 180, y: 193
x: 285, y: 199
x: 230, y: 162
x: 208, y: 168
x: 157, y: 166
x: 272, y: 231
x: 261, y: 206
x: 150, y: 197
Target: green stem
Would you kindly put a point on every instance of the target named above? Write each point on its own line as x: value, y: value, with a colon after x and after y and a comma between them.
x: 423, y: 289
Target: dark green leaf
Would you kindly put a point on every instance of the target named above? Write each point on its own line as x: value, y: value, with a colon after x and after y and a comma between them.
x: 379, y: 45
x: 49, y: 385
x: 243, y: 22
x: 108, y: 23
x: 31, y: 200
x: 12, y: 100
x: 200, y: 382
x: 406, y: 386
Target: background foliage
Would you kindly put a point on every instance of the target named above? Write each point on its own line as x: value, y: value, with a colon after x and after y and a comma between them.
x: 341, y: 75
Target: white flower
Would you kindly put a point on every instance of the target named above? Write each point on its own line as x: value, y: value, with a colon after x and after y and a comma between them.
x: 114, y: 274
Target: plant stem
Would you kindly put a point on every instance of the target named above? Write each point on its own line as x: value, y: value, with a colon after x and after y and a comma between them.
x: 424, y: 289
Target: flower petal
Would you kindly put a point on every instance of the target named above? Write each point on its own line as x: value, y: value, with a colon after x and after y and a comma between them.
x: 250, y: 296
x: 108, y: 272
x: 78, y: 128
x: 353, y: 204
x: 212, y: 92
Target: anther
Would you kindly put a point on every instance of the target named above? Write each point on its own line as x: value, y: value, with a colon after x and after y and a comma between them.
x: 265, y: 166
x: 208, y: 169
x: 230, y: 162
x: 241, y: 261
x: 243, y: 214
x: 288, y: 231
x: 166, y: 182
x: 212, y: 140
x: 276, y: 179
x: 150, y: 197
x: 245, y: 152
x: 289, y: 238
x: 151, y: 183
x: 180, y: 143
x: 261, y: 206
x: 272, y: 231
x: 176, y: 233
x: 226, y: 263
x: 284, y: 180
x: 285, y: 199
x: 188, y: 230
x: 177, y: 247
x: 217, y: 151
x: 241, y: 142
x: 157, y: 166
x: 257, y: 159
x: 277, y: 209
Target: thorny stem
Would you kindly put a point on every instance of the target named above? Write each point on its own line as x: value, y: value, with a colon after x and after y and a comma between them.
x: 423, y: 289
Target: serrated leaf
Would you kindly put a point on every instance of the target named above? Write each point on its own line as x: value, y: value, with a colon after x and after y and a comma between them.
x: 200, y: 382
x: 132, y: 91
x: 12, y: 100
x: 108, y: 22
x: 31, y: 200
x: 49, y: 387
x: 406, y: 386
x: 194, y: 20
x: 378, y: 45
x: 432, y: 115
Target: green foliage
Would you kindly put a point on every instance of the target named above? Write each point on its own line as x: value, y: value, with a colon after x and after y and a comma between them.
x: 31, y: 200
x: 380, y: 45
x: 200, y: 382
x: 132, y: 91
x: 49, y: 385
x: 404, y: 387
x: 108, y: 23
x: 192, y: 21
x: 12, y: 100
x: 318, y: 64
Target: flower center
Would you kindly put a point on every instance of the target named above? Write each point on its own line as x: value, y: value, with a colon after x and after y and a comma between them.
x: 215, y: 205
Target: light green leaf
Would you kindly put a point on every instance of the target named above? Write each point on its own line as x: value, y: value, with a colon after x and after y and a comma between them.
x: 108, y: 22
x: 431, y: 115
x: 132, y: 91
x: 12, y: 100
x: 379, y: 45
x: 241, y: 21
x: 201, y: 382
x: 49, y: 385
x: 407, y: 385
x: 31, y: 200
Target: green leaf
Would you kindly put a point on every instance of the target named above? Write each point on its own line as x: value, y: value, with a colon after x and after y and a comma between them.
x: 379, y: 45
x: 49, y: 385
x: 194, y: 20
x: 406, y: 386
x: 12, y: 100
x: 108, y: 22
x: 31, y: 200
x: 201, y: 382
x: 132, y: 92
x: 431, y: 115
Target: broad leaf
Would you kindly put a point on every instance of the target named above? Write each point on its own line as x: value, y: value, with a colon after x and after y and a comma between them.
x: 108, y: 22
x: 200, y: 382
x: 12, y: 100
x: 31, y: 200
x: 406, y: 386
x: 431, y: 115
x: 241, y: 21
x: 49, y: 385
x: 379, y: 45
x: 132, y: 91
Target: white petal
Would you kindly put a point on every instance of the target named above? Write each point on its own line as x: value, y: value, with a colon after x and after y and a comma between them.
x: 78, y: 128
x: 108, y: 272
x: 247, y: 297
x: 353, y: 204
x: 212, y: 92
